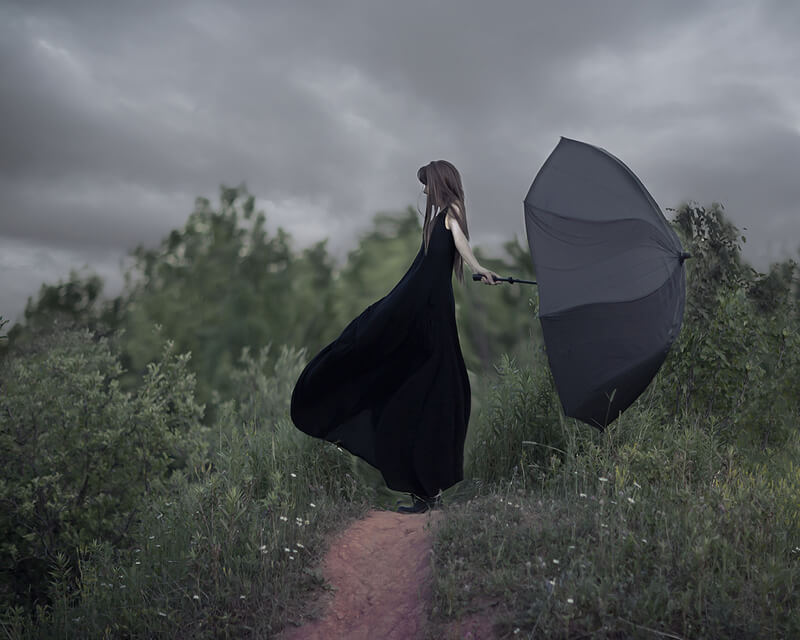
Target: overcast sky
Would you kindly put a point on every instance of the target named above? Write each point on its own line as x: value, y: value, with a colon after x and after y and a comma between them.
x: 115, y: 115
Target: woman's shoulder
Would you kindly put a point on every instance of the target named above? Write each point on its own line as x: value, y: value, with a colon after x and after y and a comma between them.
x: 451, y: 213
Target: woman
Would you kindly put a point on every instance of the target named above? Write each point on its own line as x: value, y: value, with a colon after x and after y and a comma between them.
x: 392, y: 388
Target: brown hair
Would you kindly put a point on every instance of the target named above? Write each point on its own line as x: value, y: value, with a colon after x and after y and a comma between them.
x: 444, y: 188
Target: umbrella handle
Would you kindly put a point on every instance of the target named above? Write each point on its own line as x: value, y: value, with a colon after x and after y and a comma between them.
x: 477, y: 277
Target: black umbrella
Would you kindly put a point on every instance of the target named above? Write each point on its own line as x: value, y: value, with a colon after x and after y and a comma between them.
x: 611, y: 280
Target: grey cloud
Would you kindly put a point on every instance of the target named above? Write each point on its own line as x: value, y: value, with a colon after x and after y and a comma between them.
x: 107, y: 136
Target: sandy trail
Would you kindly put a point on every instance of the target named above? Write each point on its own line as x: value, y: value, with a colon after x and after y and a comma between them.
x: 380, y: 570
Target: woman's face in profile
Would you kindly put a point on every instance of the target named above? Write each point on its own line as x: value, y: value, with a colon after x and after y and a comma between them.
x: 425, y: 189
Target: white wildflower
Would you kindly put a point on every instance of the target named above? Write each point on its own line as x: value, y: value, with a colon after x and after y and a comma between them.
x: 312, y: 505
x: 294, y: 475
x: 195, y: 597
x: 603, y: 479
x: 570, y: 601
x: 284, y: 518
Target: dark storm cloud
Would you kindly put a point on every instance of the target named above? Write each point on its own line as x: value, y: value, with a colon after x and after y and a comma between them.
x: 114, y: 116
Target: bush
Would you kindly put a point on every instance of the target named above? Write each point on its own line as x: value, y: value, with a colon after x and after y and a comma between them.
x: 228, y: 549
x: 80, y: 455
x: 737, y: 361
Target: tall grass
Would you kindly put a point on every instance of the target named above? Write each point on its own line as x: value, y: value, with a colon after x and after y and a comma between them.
x: 651, y: 529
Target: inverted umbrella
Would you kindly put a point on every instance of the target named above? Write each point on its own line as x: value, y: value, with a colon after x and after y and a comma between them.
x: 611, y: 279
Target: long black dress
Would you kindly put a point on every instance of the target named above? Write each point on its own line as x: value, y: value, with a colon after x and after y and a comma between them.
x: 392, y: 388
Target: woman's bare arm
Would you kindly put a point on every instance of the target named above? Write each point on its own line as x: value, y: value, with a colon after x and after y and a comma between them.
x: 462, y: 245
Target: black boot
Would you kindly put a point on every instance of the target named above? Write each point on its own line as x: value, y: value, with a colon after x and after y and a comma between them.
x: 420, y: 505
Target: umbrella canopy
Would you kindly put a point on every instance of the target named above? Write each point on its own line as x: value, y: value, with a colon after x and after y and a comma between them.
x: 611, y: 279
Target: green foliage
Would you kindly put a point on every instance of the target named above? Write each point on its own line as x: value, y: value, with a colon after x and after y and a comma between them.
x: 262, y: 386
x: 221, y: 284
x: 80, y: 455
x: 228, y: 549
x: 736, y: 361
x: 776, y: 291
x: 520, y: 428
x: 716, y: 263
x: 75, y: 301
x: 648, y: 529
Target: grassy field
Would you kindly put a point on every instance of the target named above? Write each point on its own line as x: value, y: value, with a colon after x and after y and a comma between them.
x: 653, y: 529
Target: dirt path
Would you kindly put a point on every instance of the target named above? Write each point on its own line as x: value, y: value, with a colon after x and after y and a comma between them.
x: 380, y: 571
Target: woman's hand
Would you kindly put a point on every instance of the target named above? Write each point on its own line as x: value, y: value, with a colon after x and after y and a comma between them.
x: 489, y: 277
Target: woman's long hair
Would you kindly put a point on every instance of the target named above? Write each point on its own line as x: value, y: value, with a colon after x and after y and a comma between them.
x: 444, y: 188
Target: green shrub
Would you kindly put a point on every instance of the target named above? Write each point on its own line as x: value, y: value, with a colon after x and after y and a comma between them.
x: 736, y: 362
x: 228, y: 549
x: 80, y: 456
x: 520, y: 427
